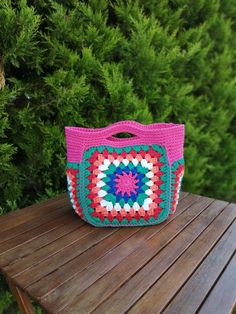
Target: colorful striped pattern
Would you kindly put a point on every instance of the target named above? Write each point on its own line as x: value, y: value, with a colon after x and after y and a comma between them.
x: 125, y: 181
x: 127, y: 186
x: 177, y: 173
x: 72, y: 173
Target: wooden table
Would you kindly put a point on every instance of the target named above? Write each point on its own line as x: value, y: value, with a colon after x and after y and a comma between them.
x: 184, y: 265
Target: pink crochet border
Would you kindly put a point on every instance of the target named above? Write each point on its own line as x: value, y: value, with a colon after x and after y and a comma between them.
x: 169, y: 135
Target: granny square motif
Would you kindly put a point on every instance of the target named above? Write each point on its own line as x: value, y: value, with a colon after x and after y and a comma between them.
x: 128, y: 185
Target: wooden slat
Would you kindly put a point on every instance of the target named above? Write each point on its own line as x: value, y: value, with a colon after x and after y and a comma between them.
x: 20, y: 216
x: 79, y: 263
x: 84, y: 269
x: 25, y: 227
x: 30, y: 267
x: 29, y: 225
x: 193, y: 293
x: 23, y: 300
x: 183, y: 195
x: 12, y: 243
x: 22, y: 236
x: 69, y: 291
x: 70, y: 269
x: 169, y: 284
x: 43, y: 253
x: 222, y: 298
x: 68, y: 247
x: 13, y: 261
x: 51, y: 202
x: 157, y: 264
x: 23, y: 264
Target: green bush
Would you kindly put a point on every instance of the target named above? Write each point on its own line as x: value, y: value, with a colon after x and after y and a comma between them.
x: 90, y: 63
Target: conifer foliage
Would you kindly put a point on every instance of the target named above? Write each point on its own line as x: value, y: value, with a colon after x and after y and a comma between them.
x: 90, y: 63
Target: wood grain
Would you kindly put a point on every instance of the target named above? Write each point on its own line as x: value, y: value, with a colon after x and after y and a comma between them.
x: 193, y: 293
x: 184, y: 265
x: 14, y: 259
x: 170, y: 283
x: 23, y: 300
x: 70, y: 269
x: 32, y: 212
x: 136, y: 244
x: 148, y: 273
x: 44, y: 252
x: 33, y: 233
x: 29, y: 225
x: 222, y: 298
x: 69, y: 247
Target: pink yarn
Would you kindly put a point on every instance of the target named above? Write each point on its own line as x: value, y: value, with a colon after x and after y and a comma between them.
x: 169, y: 135
x: 126, y: 183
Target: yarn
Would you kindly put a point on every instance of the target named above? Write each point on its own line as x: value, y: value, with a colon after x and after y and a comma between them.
x: 177, y: 172
x: 164, y: 134
x: 111, y: 185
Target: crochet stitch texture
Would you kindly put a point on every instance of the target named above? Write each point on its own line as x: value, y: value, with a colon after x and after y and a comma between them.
x: 125, y: 185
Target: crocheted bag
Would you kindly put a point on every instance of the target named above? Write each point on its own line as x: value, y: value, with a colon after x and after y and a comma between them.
x: 125, y: 181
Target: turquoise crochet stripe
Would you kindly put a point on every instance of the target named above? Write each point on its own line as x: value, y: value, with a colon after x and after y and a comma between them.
x: 73, y: 165
x: 83, y: 191
x: 174, y: 167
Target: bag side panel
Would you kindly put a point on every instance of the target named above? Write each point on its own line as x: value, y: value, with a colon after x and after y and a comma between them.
x: 177, y: 172
x: 72, y: 173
